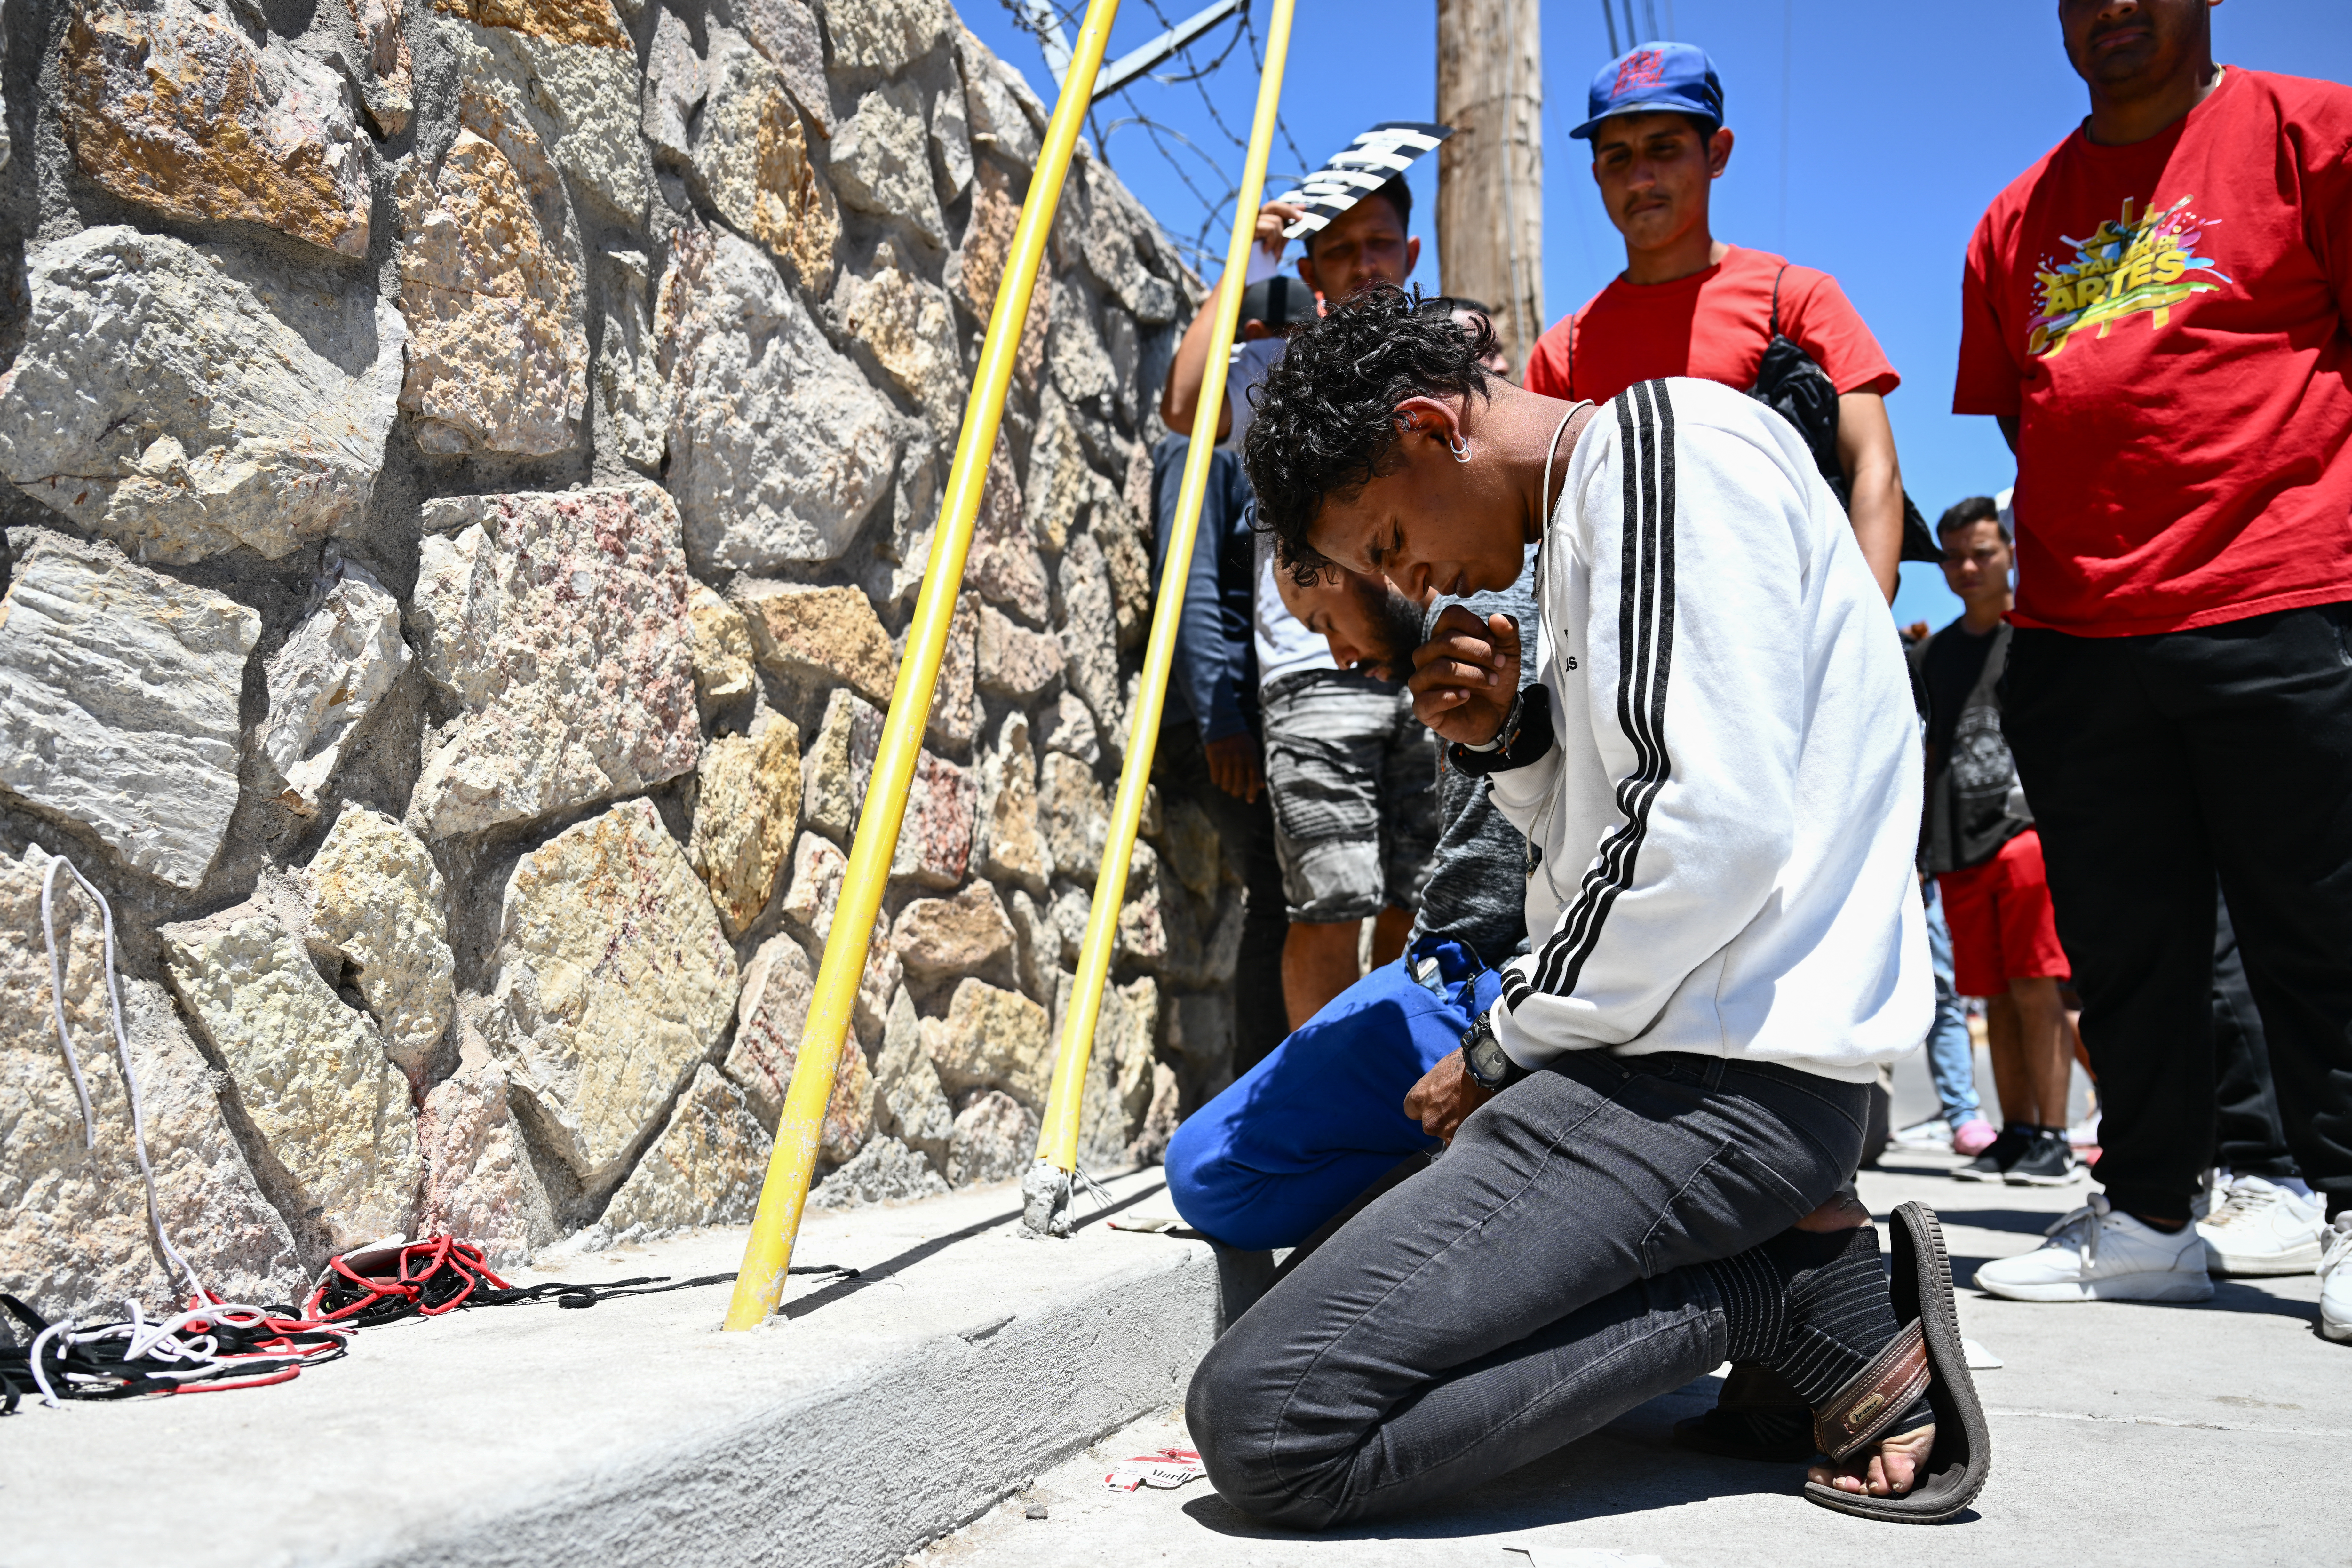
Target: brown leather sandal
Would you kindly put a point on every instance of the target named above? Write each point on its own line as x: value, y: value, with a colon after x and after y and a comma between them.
x: 1924, y: 1357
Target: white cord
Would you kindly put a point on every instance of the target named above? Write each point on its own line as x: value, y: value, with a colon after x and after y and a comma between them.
x: 167, y: 1339
x: 123, y: 1053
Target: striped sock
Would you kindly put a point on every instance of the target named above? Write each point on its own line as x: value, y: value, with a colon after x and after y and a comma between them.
x: 1813, y: 1306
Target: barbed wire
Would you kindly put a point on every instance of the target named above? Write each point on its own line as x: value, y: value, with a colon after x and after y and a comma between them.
x: 1203, y: 250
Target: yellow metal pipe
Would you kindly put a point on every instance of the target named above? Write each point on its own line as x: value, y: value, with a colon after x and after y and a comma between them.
x: 760, y: 1286
x: 1057, y: 1140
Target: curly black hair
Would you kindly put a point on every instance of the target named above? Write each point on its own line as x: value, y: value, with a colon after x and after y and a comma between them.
x: 1325, y: 413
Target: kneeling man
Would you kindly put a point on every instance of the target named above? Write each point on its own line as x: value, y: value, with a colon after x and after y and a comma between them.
x: 1719, y: 778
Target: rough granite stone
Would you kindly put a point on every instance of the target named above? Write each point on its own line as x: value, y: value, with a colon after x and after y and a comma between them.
x: 882, y: 162
x: 722, y: 647
x: 374, y: 892
x: 746, y: 810
x: 977, y: 268
x: 995, y: 1140
x: 676, y: 82
x: 333, y: 1113
x: 1119, y: 1069
x: 326, y: 679
x: 1069, y: 730
x: 160, y: 402
x: 884, y: 1171
x: 479, y: 1183
x: 1035, y: 947
x: 1003, y: 565
x: 704, y: 1168
x: 1159, y: 1118
x: 829, y: 635
x: 569, y: 67
x: 1085, y: 617
x: 951, y: 141
x: 778, y: 447
x: 1060, y: 481
x: 1080, y: 365
x: 1004, y: 114
x: 491, y: 289
x: 1015, y: 662
x: 814, y: 888
x: 636, y: 398
x: 967, y: 934
x: 557, y: 624
x: 777, y: 986
x: 991, y: 1038
x: 1016, y: 850
x: 74, y: 1240
x: 908, y: 1102
x: 1074, y: 813
x: 384, y: 70
x: 750, y: 155
x: 611, y: 979
x: 786, y: 32
x: 1129, y: 563
x: 935, y: 835
x: 119, y: 693
x: 183, y: 107
x: 910, y: 326
x: 1193, y: 851
x: 954, y: 716
x: 886, y: 35
x: 588, y: 22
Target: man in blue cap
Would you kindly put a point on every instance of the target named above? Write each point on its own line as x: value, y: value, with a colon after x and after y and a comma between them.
x: 1690, y: 304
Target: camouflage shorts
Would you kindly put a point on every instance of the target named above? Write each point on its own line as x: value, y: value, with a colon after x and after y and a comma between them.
x: 1353, y: 776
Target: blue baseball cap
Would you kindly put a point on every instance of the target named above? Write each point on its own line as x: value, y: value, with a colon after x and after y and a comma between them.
x: 1654, y: 79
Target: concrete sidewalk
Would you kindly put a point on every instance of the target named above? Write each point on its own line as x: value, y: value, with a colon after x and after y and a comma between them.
x: 2123, y: 1434
x: 868, y: 1417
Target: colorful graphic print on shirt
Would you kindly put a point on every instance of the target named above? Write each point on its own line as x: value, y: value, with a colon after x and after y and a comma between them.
x: 2125, y: 268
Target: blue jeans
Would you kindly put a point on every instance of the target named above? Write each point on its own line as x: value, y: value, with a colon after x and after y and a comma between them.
x: 1951, y: 1056
x: 1299, y: 1135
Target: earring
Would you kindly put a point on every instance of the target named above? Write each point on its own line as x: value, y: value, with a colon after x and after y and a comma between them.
x: 1460, y: 447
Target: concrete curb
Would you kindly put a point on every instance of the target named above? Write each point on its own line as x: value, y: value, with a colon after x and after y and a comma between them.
x: 866, y: 1420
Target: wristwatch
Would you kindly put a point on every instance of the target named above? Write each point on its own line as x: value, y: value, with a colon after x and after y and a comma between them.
x: 1483, y: 1057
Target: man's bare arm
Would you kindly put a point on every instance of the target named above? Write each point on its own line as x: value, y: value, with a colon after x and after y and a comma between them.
x: 1874, y: 485
x: 1180, y: 398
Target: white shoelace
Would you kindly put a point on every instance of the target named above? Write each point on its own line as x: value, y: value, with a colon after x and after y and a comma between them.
x: 2081, y: 1227
x: 2243, y: 1202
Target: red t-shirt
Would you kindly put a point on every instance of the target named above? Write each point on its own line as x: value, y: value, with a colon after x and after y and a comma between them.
x: 2168, y: 322
x: 1713, y: 325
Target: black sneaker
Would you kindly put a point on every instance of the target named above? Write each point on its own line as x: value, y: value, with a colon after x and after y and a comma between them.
x: 2048, y: 1162
x: 1999, y: 1156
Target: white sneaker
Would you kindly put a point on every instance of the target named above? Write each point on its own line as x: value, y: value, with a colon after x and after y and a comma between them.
x: 2100, y: 1254
x: 1933, y: 1133
x: 2336, y: 1281
x: 2260, y: 1227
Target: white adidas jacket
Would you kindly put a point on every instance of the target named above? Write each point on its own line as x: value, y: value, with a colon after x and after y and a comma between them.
x: 1728, y: 814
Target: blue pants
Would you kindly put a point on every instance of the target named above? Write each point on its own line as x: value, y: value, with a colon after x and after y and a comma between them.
x: 1951, y: 1056
x: 1296, y: 1138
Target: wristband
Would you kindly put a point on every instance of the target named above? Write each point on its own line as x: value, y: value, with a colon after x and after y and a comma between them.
x: 1525, y: 736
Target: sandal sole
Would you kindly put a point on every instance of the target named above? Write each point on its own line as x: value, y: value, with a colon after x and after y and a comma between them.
x: 1952, y: 1389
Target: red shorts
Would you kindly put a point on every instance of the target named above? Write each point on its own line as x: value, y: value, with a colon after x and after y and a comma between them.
x: 2002, y: 929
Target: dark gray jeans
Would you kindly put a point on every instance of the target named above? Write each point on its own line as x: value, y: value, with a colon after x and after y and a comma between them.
x: 1531, y: 1286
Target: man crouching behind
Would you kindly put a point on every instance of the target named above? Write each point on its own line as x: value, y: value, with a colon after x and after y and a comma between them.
x: 1720, y: 776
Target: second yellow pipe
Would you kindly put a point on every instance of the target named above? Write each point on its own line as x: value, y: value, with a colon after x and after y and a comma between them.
x: 767, y: 1258
x: 1058, y: 1140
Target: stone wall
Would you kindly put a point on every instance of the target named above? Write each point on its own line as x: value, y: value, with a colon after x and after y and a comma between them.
x: 472, y: 467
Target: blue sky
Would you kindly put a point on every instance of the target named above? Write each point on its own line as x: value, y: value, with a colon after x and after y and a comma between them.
x: 1902, y: 121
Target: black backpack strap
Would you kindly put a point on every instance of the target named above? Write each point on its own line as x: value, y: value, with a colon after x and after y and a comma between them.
x: 1775, y: 328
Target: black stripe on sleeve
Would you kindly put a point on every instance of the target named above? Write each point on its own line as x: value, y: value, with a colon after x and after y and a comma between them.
x: 1646, y: 630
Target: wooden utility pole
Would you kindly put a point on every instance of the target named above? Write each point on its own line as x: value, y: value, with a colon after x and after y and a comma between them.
x: 1490, y: 173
